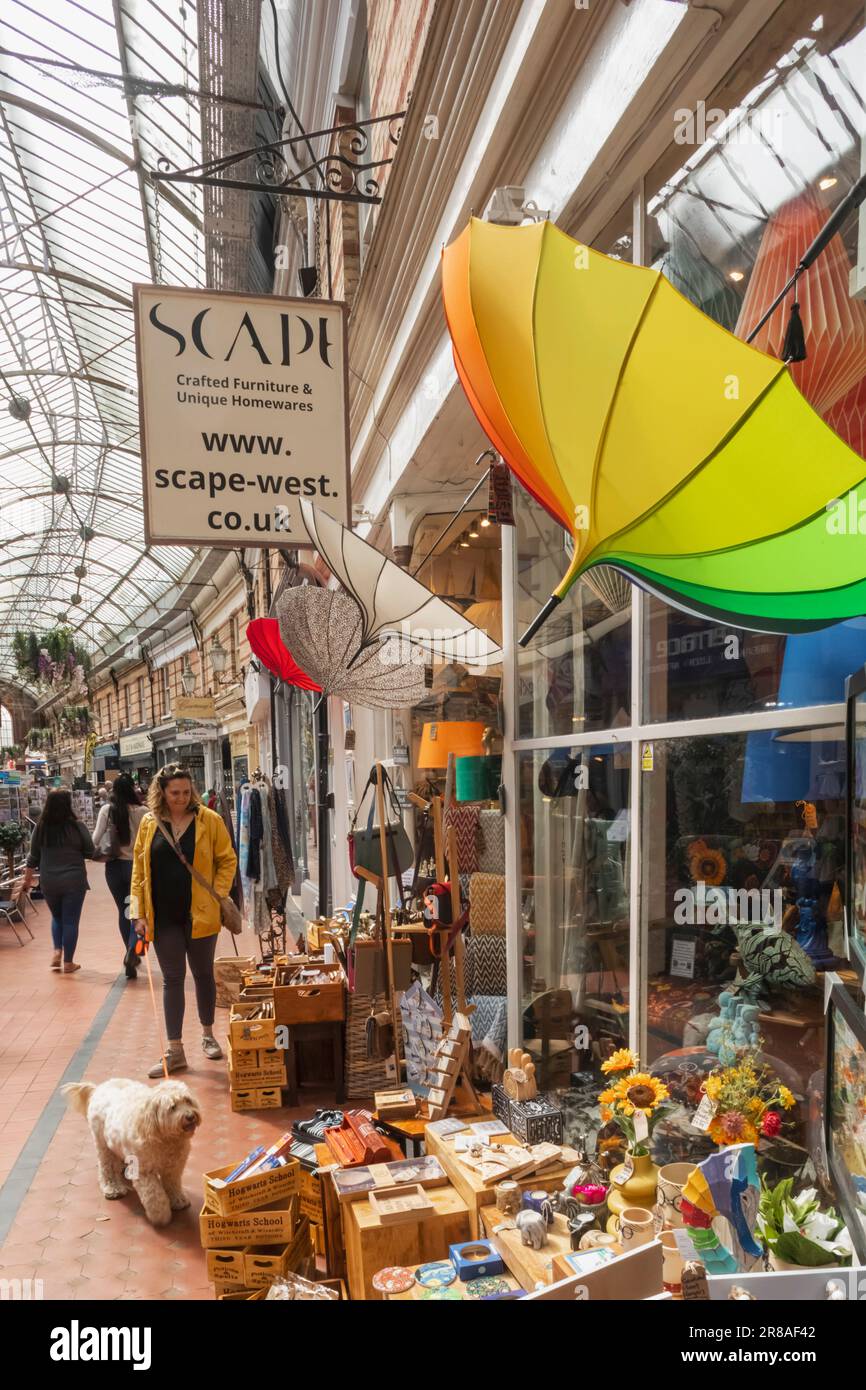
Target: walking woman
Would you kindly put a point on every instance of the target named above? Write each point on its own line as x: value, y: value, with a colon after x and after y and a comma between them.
x: 58, y: 849
x: 180, y: 915
x: 114, y: 836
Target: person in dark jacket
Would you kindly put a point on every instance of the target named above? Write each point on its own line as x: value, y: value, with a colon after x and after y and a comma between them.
x: 60, y: 845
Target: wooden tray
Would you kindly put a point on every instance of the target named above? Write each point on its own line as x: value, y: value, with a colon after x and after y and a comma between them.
x: 394, y: 1205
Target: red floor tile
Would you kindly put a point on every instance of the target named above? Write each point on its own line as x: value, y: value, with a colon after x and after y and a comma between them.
x: 81, y: 1245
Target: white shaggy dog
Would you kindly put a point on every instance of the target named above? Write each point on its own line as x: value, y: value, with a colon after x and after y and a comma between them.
x: 142, y: 1136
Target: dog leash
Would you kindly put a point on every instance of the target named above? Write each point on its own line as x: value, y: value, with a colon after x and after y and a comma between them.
x: 146, y: 954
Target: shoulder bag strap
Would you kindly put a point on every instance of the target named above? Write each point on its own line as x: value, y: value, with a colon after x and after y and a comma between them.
x: 194, y: 873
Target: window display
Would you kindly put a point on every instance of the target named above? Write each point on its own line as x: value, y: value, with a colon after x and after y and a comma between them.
x: 845, y: 1118
x: 743, y: 869
x: 575, y: 914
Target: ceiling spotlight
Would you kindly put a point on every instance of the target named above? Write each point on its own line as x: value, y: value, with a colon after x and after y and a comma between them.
x: 485, y: 521
x: 80, y: 571
x: 464, y: 544
x: 829, y: 181
x: 736, y: 275
x: 86, y: 534
x: 19, y: 408
x: 474, y: 533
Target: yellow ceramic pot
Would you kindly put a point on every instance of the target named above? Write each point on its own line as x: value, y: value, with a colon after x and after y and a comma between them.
x: 638, y: 1191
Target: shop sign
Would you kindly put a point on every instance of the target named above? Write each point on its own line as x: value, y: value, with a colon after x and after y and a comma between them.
x: 196, y: 733
x: 194, y: 707
x: 244, y: 412
x: 105, y: 750
x: 135, y: 743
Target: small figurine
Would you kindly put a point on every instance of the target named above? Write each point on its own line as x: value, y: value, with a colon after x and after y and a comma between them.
x: 737, y: 1291
x: 532, y: 1228
x: 834, y: 1291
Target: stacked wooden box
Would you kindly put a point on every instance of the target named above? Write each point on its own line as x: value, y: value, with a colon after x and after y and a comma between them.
x: 252, y: 1229
x: 256, y: 1066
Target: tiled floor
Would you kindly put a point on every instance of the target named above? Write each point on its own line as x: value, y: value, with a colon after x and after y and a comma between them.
x: 64, y: 1232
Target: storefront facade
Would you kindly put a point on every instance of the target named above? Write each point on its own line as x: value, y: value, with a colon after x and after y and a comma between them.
x: 651, y: 758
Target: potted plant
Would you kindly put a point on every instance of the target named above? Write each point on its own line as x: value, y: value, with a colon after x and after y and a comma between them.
x: 11, y: 836
x: 796, y: 1232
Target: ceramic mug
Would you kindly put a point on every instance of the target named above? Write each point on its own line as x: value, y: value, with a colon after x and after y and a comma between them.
x: 599, y: 1240
x: 672, y: 1179
x: 635, y: 1227
x: 672, y: 1264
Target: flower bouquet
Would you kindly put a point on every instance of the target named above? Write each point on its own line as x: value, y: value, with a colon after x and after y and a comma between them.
x: 635, y: 1102
x: 745, y: 1097
x: 797, y: 1233
x: 633, y: 1093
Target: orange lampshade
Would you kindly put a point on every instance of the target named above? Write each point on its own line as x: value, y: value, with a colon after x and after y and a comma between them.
x: 462, y: 737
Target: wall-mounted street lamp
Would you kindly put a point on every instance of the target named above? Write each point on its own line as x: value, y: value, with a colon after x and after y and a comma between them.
x: 187, y: 677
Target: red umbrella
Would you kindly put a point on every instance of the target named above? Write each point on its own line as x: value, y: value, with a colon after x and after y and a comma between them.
x: 263, y: 635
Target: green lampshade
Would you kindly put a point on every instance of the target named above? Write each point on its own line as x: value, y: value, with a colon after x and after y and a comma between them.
x: 477, y: 779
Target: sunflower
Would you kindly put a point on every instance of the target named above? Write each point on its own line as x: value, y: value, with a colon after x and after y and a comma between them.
x: 623, y: 1060
x: 607, y: 1097
x: 640, y: 1091
x: 706, y: 865
x: 786, y: 1098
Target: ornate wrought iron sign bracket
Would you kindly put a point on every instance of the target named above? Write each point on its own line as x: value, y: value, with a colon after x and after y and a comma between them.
x: 343, y: 172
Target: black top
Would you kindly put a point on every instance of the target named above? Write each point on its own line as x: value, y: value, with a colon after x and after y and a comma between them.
x: 61, y: 865
x: 170, y: 879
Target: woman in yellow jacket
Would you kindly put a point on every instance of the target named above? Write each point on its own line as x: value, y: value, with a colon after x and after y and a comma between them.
x: 178, y: 915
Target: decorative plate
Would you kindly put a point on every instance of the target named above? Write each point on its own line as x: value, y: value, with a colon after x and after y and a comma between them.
x: 393, y: 1279
x: 487, y: 1284
x: 437, y: 1275
x: 442, y: 1295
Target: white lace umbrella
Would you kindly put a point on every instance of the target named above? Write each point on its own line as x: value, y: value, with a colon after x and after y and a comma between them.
x: 322, y: 630
x: 393, y: 604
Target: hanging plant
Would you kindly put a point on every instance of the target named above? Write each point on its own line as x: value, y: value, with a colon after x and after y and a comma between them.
x: 15, y: 751
x: 40, y: 738
x: 75, y: 719
x: 51, y: 658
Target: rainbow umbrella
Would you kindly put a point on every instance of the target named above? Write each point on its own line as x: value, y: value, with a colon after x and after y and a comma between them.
x: 668, y: 448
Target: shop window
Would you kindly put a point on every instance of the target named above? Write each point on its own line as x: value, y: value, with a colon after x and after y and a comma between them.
x: 575, y: 924
x: 695, y: 669
x: 751, y: 176
x: 575, y: 677
x: 742, y: 853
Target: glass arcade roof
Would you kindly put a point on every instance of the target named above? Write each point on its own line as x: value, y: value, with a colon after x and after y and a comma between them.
x: 91, y: 95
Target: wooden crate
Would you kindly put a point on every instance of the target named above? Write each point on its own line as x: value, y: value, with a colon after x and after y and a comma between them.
x: 246, y: 1194
x: 226, y: 1266
x: 297, y: 1002
x: 263, y: 1066
x: 370, y: 1246
x: 247, y: 1034
x: 256, y: 1098
x: 312, y: 1203
x: 272, y: 1225
x: 265, y: 1263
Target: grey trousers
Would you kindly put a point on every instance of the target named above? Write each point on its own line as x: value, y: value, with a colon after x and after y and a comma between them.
x: 174, y: 945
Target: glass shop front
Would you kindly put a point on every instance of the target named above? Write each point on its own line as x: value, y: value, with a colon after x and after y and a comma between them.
x: 681, y: 784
